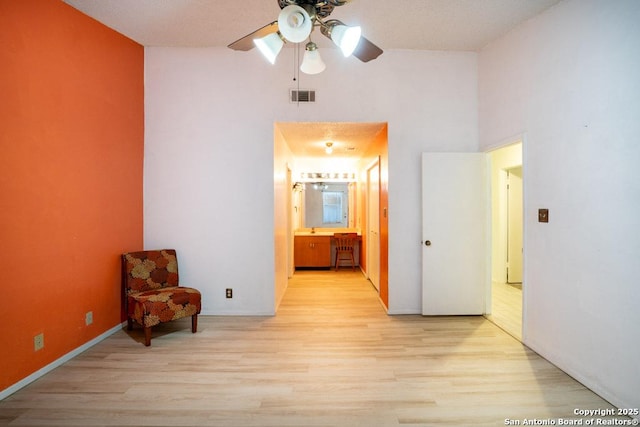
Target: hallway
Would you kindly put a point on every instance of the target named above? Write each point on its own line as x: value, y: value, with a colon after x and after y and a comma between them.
x: 330, y: 357
x: 506, y: 308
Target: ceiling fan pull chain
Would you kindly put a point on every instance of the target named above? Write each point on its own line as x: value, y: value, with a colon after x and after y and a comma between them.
x: 297, y: 71
x: 295, y: 62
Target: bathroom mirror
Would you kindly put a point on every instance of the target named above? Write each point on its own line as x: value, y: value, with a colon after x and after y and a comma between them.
x: 326, y: 204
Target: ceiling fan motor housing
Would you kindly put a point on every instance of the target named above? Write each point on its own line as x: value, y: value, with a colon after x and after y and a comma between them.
x: 323, y: 8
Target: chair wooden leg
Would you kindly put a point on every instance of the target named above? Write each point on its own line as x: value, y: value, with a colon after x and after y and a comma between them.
x: 194, y: 323
x: 129, y: 324
x: 147, y: 336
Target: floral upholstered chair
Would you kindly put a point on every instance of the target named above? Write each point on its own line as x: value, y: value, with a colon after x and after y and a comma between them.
x: 152, y: 291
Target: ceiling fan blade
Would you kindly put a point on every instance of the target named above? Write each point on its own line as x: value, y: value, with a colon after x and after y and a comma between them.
x: 366, y: 51
x: 246, y: 42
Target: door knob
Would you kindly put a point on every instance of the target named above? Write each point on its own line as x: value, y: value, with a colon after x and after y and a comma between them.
x: 427, y: 242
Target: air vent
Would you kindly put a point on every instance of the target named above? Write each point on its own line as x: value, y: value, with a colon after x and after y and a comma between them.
x: 302, y: 95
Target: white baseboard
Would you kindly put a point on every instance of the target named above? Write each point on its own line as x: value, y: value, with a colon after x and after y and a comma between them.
x: 51, y: 366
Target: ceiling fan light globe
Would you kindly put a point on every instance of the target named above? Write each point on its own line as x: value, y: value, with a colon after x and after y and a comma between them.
x: 346, y: 38
x: 294, y: 23
x: 270, y: 46
x: 312, y: 63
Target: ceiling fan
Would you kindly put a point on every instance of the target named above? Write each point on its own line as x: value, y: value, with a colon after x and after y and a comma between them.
x: 296, y: 22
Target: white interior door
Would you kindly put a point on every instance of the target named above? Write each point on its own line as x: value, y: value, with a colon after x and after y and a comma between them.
x: 455, y: 246
x: 373, y: 223
x: 514, y: 226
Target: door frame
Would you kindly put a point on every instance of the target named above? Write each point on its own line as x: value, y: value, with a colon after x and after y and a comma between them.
x: 510, y: 219
x: 516, y: 139
x: 373, y: 259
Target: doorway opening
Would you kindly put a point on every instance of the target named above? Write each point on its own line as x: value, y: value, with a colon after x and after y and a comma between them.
x: 302, y: 161
x: 505, y: 302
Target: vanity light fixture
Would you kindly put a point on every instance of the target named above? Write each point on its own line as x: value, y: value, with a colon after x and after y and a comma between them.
x: 327, y: 177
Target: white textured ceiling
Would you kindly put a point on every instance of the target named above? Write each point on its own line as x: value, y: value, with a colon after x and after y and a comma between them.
x: 349, y: 142
x: 391, y: 24
x: 461, y: 25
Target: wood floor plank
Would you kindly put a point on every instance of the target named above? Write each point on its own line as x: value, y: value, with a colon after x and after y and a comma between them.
x: 330, y: 357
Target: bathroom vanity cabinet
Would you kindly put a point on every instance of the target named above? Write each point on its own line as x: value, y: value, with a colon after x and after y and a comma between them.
x: 312, y: 251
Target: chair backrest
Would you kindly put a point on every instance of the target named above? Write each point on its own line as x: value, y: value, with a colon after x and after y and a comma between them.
x: 147, y: 270
x: 345, y: 241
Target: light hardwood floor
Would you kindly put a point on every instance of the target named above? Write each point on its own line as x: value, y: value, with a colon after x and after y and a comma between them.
x: 506, y: 308
x: 330, y: 357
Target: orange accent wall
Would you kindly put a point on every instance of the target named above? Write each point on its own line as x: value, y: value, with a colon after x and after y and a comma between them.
x: 71, y: 158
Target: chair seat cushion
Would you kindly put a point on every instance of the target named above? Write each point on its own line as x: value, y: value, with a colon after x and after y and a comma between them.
x: 163, y: 305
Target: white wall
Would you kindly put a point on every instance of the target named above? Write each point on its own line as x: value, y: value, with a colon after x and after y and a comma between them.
x: 209, y: 160
x: 568, y: 79
x: 433, y: 105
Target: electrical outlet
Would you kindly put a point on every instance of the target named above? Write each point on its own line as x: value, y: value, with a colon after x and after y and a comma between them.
x: 229, y: 293
x: 88, y: 318
x: 38, y: 342
x: 543, y: 215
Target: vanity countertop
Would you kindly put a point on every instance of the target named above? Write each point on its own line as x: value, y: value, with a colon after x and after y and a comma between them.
x: 324, y: 232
